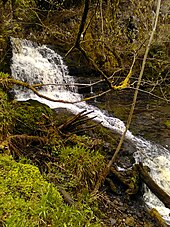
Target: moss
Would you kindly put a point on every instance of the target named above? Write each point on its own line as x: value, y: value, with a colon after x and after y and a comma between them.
x: 32, y: 117
x: 26, y: 199
x: 79, y: 168
x: 167, y: 123
x: 6, y: 114
x: 24, y: 117
x: 3, y: 96
x: 107, y: 138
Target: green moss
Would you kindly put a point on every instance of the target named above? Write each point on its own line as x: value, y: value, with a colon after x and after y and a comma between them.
x: 167, y: 123
x: 3, y: 96
x: 4, y: 75
x: 24, y: 117
x: 26, y: 199
x: 6, y: 114
x: 32, y: 117
x: 79, y: 168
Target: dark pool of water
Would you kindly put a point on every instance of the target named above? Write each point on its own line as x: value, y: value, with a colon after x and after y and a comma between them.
x: 150, y: 115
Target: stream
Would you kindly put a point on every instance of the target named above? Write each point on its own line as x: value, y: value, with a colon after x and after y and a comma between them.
x: 37, y: 64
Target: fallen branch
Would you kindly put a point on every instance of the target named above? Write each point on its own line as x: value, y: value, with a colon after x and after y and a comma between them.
x: 8, y: 81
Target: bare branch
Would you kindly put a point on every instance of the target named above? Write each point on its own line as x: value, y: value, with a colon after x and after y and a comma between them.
x: 8, y: 81
x: 81, y: 28
x: 125, y: 82
x: 148, y: 92
x: 96, y: 96
x: 32, y: 88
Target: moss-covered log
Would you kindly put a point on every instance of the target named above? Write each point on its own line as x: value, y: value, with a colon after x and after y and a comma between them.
x: 158, y: 218
x: 159, y: 192
x: 128, y: 179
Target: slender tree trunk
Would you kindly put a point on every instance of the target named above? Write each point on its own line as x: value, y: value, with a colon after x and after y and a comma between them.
x: 83, y: 22
x: 81, y: 27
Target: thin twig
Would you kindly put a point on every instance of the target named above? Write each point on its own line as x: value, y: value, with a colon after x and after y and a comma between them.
x: 148, y: 92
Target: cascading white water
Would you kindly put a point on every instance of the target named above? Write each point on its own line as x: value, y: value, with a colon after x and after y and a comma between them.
x: 41, y: 65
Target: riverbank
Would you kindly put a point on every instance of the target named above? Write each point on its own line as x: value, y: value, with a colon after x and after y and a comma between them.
x: 33, y: 134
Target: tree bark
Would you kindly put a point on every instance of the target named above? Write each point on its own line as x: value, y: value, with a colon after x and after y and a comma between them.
x: 83, y: 22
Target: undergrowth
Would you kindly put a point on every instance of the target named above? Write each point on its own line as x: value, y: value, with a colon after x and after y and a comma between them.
x: 78, y: 169
x: 31, y: 141
x: 26, y: 199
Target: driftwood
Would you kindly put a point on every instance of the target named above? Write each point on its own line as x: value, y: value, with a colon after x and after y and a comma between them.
x: 159, y: 192
x: 131, y: 182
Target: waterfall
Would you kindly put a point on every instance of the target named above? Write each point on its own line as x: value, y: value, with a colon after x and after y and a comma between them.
x: 41, y: 65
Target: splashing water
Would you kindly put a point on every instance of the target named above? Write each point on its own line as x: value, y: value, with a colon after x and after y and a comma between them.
x: 41, y: 65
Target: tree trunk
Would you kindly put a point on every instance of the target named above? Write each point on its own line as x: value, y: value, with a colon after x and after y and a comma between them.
x: 83, y: 21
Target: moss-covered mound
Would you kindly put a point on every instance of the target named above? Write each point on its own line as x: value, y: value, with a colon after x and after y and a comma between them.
x: 32, y: 132
x: 77, y: 170
x: 26, y: 199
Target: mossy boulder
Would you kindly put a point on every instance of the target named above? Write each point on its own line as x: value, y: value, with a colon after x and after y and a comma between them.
x: 32, y: 117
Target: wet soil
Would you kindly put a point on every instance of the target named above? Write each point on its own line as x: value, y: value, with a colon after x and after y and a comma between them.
x: 120, y: 212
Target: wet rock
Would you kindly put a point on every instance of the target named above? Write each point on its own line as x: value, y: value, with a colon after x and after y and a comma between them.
x: 115, y: 202
x: 121, y: 204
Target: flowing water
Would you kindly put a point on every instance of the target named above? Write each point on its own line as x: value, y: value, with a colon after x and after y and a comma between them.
x: 41, y: 65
